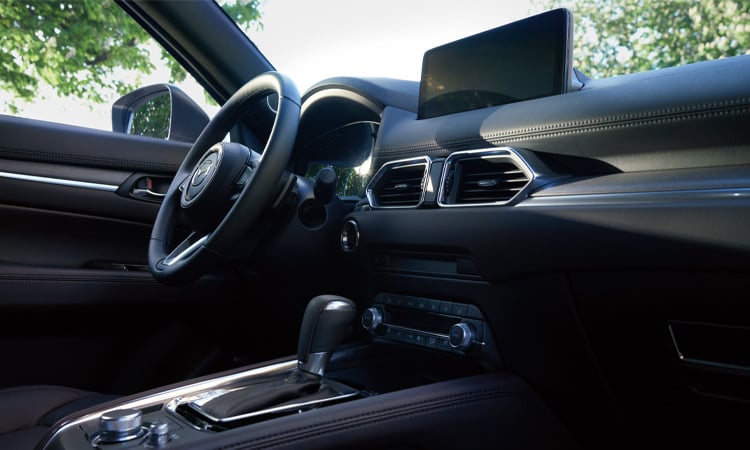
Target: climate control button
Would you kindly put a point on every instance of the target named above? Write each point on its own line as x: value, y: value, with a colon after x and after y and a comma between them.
x: 372, y: 319
x: 462, y: 336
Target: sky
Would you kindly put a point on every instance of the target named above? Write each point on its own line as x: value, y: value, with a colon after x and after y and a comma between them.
x: 311, y: 41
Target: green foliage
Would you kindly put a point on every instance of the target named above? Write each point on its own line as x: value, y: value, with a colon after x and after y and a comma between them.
x: 81, y: 48
x: 349, y: 182
x: 152, y: 118
x: 614, y: 37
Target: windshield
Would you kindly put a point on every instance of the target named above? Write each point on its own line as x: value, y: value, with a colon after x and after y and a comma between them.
x: 68, y: 62
x: 311, y: 41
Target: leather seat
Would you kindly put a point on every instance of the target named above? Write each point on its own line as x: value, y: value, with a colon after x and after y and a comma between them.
x: 27, y: 412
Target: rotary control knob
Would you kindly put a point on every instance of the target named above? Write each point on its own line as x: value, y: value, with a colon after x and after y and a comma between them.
x: 372, y: 319
x: 159, y: 434
x: 120, y: 425
x: 462, y: 336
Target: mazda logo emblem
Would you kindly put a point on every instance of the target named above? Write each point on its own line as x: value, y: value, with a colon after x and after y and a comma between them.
x: 202, y: 172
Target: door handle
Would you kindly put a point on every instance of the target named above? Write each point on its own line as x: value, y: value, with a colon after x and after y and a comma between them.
x: 145, y: 187
x: 147, y: 194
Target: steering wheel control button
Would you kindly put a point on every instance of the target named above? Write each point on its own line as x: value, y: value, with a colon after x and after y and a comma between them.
x: 462, y: 336
x: 120, y: 425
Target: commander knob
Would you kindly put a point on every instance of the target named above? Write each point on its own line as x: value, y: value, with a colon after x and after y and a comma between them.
x: 462, y: 336
x: 372, y: 318
x: 120, y: 425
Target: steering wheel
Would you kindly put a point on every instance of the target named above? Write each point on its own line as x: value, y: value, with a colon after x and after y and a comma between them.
x: 221, y: 189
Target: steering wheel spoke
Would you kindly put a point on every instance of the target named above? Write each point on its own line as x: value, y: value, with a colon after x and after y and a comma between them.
x: 186, y: 248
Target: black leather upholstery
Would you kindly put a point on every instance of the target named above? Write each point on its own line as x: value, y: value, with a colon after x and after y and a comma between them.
x: 27, y: 412
x: 490, y: 411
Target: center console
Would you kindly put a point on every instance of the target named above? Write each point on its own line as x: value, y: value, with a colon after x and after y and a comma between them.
x: 297, y: 403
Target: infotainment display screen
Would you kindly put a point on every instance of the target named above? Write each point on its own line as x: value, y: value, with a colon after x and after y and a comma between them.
x: 522, y: 60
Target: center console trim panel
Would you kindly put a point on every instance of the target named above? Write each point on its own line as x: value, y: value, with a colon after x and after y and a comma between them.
x: 175, y: 394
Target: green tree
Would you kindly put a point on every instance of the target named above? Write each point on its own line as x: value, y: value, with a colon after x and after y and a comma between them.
x: 614, y: 37
x: 81, y: 47
x: 152, y: 118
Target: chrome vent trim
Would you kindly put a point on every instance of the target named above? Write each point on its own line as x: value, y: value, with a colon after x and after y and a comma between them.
x: 495, y: 176
x: 399, y: 184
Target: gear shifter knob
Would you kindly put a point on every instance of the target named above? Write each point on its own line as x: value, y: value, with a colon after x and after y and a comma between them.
x: 326, y: 323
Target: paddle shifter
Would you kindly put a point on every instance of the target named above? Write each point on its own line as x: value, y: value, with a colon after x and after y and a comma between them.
x: 326, y: 323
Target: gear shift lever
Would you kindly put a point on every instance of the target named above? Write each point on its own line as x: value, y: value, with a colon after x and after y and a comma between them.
x: 326, y: 323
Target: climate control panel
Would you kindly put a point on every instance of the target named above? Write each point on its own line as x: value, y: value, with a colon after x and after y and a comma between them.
x: 442, y: 325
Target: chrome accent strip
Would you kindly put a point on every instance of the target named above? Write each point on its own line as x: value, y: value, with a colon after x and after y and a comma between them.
x: 704, y: 362
x: 172, y: 395
x: 638, y: 198
x: 169, y: 260
x: 348, y: 245
x: 316, y: 363
x: 394, y: 165
x: 59, y: 181
x: 508, y: 153
x: 344, y: 392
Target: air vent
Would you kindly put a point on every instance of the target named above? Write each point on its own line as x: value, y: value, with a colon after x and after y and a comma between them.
x: 399, y: 184
x: 483, y: 177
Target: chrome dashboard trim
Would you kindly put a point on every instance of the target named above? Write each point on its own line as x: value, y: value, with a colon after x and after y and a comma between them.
x: 492, y: 152
x: 175, y: 394
x: 342, y: 392
x: 397, y: 164
x: 637, y: 198
x: 59, y: 182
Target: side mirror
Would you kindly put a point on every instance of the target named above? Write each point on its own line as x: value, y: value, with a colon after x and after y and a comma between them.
x: 162, y: 111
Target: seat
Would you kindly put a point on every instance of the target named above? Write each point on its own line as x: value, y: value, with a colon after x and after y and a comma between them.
x: 27, y: 412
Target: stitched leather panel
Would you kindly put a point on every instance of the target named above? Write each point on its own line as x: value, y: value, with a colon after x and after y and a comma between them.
x: 690, y: 116
x: 487, y: 411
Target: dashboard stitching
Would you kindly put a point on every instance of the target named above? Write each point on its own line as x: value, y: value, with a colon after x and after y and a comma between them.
x: 34, y: 155
x: 579, y: 127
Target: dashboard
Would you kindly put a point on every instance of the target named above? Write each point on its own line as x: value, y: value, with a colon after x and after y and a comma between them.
x: 569, y: 222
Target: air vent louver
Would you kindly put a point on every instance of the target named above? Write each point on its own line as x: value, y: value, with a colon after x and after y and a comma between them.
x: 477, y: 178
x: 398, y: 185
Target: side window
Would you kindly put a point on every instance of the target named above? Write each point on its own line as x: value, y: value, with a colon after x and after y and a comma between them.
x: 68, y: 62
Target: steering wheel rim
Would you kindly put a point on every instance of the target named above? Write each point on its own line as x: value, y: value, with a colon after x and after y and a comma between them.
x: 202, y: 251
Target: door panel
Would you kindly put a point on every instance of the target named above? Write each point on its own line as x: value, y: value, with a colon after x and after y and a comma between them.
x: 77, y: 305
